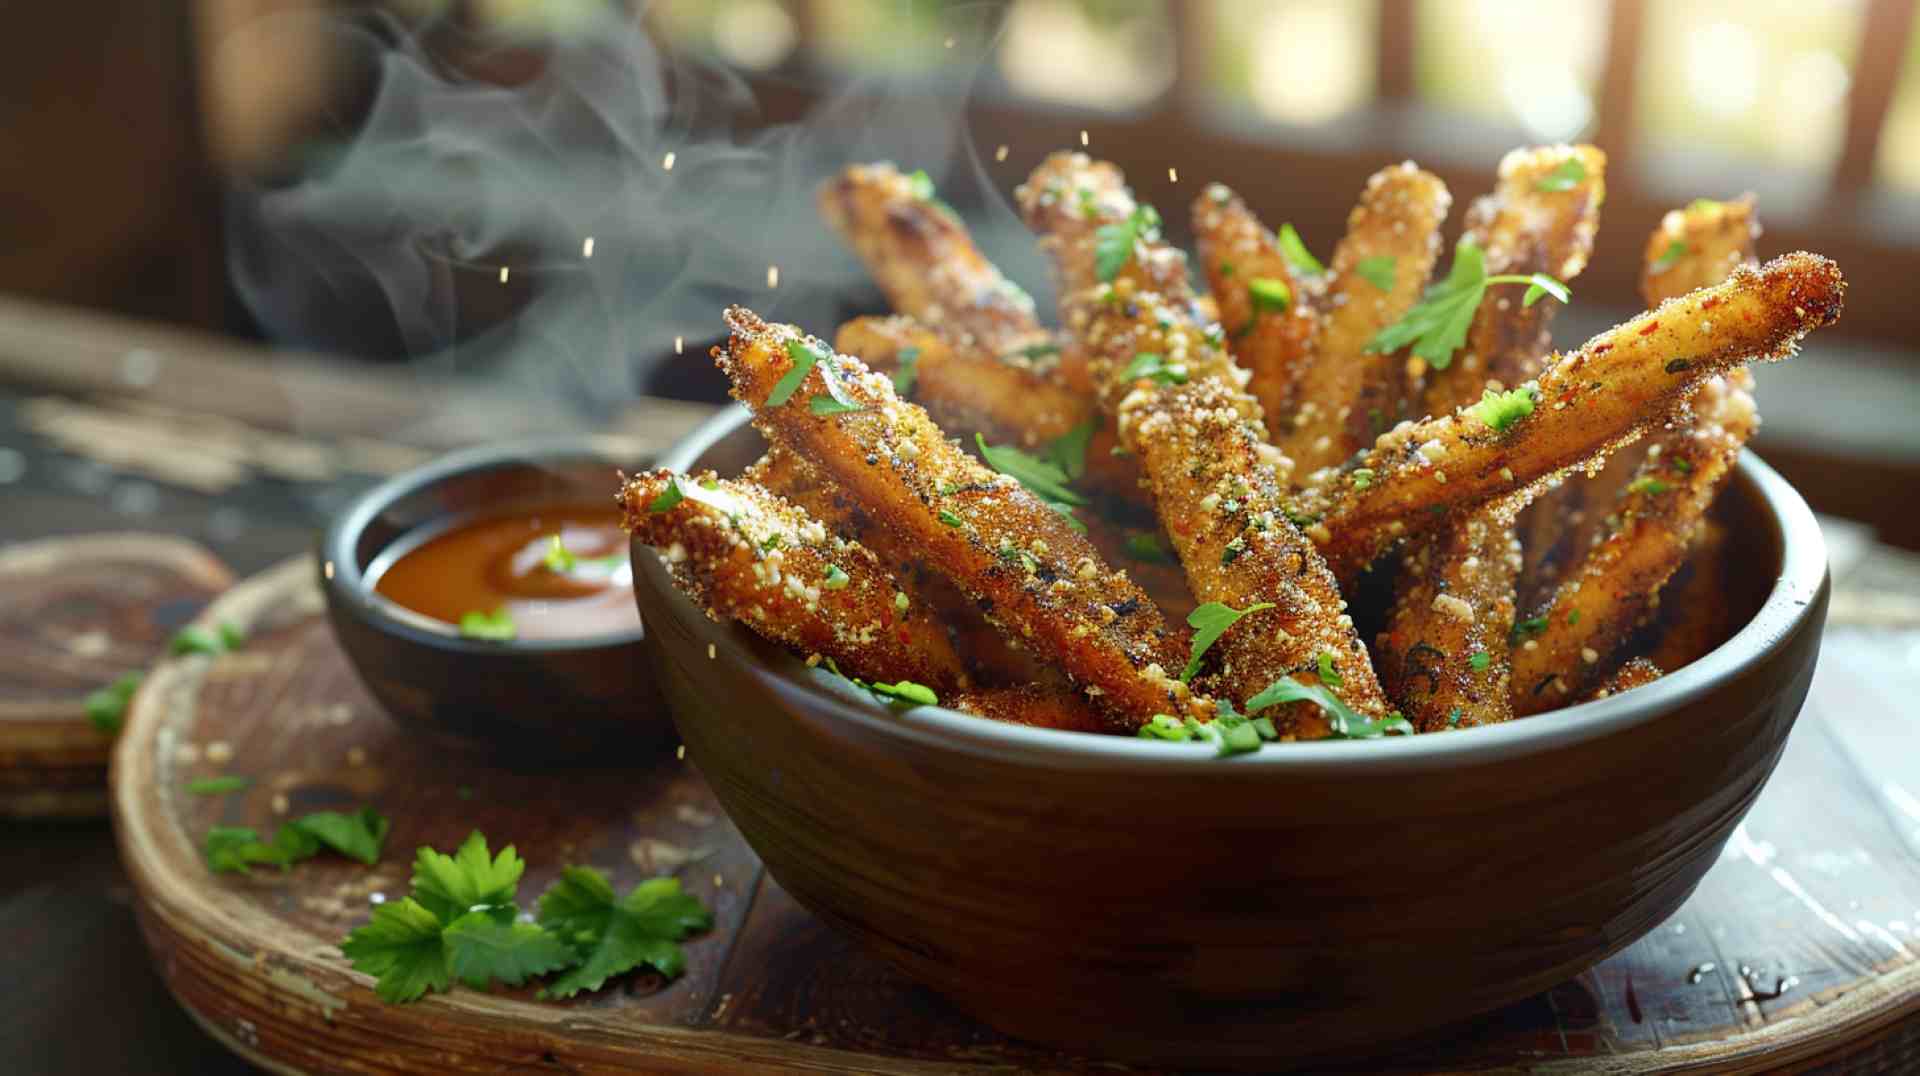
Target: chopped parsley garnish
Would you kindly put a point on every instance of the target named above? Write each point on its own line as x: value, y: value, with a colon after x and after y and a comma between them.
x: 1033, y: 351
x: 1500, y: 410
x: 1295, y: 251
x: 1113, y: 243
x: 1269, y: 295
x: 907, y: 371
x: 1225, y: 269
x: 1328, y: 674
x: 772, y: 541
x: 1670, y: 257
x: 950, y: 519
x: 1647, y: 484
x: 1530, y: 626
x: 906, y: 691
x: 1453, y: 719
x: 1566, y: 176
x: 1480, y: 660
x: 920, y: 185
x: 1683, y: 466
x: 1209, y: 622
x: 1362, y: 477
x: 107, y: 707
x: 668, y: 497
x: 218, y: 786
x: 462, y: 922
x: 1437, y: 325
x: 1573, y: 618
x: 828, y: 405
x: 560, y: 560
x: 1378, y: 270
x: 221, y: 639
x: 1044, y: 478
x: 1232, y: 550
x: 497, y: 625
x: 836, y: 579
x: 1229, y: 732
x: 1148, y: 547
x: 1345, y: 723
x: 237, y: 849
x: 804, y: 357
x: 1699, y: 204
x: 1153, y: 366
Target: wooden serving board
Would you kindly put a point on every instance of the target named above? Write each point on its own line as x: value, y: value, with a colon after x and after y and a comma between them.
x: 75, y: 614
x: 1817, y: 899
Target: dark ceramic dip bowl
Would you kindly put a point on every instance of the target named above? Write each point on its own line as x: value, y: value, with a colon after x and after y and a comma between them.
x: 1152, y: 903
x: 541, y: 698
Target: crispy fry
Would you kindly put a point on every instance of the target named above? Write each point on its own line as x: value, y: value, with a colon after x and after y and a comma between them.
x: 1272, y: 335
x: 989, y: 657
x: 1014, y: 398
x: 1019, y: 560
x: 1588, y: 401
x: 1067, y: 200
x: 922, y: 256
x: 1522, y: 229
x: 1612, y: 589
x: 1146, y: 555
x: 1443, y: 656
x: 1694, y: 615
x: 750, y: 556
x: 1694, y: 247
x: 1394, y: 231
x: 1040, y: 707
x: 1636, y: 673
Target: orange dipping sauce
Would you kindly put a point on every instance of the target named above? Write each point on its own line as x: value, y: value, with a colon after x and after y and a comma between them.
x: 506, y: 562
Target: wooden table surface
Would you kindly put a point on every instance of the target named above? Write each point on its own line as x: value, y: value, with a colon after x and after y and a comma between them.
x: 80, y: 994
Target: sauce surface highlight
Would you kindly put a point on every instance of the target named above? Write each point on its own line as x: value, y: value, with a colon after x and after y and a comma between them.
x: 505, y: 562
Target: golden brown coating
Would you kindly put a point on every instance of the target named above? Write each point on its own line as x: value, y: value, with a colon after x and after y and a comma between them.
x: 1588, y: 401
x: 1694, y: 614
x: 1067, y: 200
x: 922, y: 256
x: 1539, y: 219
x: 747, y: 555
x: 1694, y: 247
x: 1266, y: 304
x: 1609, y: 592
x: 1020, y: 561
x: 1015, y: 397
x: 1443, y: 655
x: 1034, y: 705
x: 1146, y: 555
x: 1394, y: 232
x: 989, y: 657
x: 1636, y: 673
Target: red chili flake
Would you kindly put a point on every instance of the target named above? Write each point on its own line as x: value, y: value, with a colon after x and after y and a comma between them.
x: 1602, y: 349
x: 1710, y: 302
x: 1649, y: 330
x: 906, y: 636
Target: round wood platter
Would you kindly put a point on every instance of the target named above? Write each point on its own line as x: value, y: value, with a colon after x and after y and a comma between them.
x: 1800, y: 944
x: 75, y: 614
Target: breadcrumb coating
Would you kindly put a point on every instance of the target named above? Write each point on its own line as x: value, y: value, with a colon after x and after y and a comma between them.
x: 1274, y: 335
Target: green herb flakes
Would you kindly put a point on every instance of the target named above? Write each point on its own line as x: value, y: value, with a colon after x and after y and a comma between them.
x: 1209, y: 622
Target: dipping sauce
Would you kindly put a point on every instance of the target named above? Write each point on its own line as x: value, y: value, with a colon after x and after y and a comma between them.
x: 509, y: 562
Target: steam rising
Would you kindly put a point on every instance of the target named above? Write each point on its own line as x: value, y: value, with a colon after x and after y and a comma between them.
x: 551, y: 211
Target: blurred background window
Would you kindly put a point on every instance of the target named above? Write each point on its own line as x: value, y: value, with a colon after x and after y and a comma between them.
x: 1899, y: 163
x: 1108, y: 54
x: 1294, y: 61
x: 1763, y: 82
x: 757, y: 35
x: 1536, y: 66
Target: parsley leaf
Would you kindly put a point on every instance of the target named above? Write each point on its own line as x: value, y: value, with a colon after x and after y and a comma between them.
x: 907, y: 371
x: 1648, y: 484
x: 498, y: 625
x: 1153, y: 366
x: 920, y: 185
x: 1113, y: 243
x: 401, y: 948
x: 107, y: 707
x: 611, y: 936
x: 1294, y: 249
x: 1480, y: 660
x: 1437, y: 325
x: 223, y: 638
x: 1500, y: 410
x: 359, y: 836
x: 1148, y: 547
x: 1329, y: 675
x: 828, y: 405
x: 559, y: 558
x: 1269, y: 295
x: 1209, y: 622
x: 1043, y: 478
x: 480, y: 949
x: 906, y: 691
x: 469, y: 880
x: 1378, y: 270
x: 237, y: 849
x: 1566, y: 176
x: 668, y: 497
x: 1069, y: 451
x: 218, y: 786
x: 1531, y: 626
x: 804, y: 356
x: 1344, y: 721
x: 1669, y: 257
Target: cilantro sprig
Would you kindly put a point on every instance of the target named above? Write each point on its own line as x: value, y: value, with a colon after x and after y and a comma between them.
x: 1209, y: 622
x: 1113, y: 243
x: 462, y: 922
x: 1437, y: 325
x: 1045, y: 478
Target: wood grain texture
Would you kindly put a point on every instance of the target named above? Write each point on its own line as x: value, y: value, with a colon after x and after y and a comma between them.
x: 776, y: 989
x: 75, y: 614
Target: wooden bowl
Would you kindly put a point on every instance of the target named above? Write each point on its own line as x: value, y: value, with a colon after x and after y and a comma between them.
x: 1152, y: 903
x: 544, y: 698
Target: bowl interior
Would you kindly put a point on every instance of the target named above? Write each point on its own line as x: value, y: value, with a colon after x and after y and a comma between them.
x: 1778, y: 564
